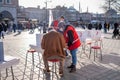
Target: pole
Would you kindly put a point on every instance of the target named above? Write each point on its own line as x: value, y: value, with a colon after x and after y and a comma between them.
x: 1, y: 51
x: 46, y: 11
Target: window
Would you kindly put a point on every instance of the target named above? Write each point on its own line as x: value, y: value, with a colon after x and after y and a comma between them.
x: 1, y: 1
x: 8, y: 1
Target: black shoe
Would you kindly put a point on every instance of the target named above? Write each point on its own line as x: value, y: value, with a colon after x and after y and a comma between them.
x: 71, y: 66
x: 46, y: 70
x: 61, y: 73
x: 73, y: 69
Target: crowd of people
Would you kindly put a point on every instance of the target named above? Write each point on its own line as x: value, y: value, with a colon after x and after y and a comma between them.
x: 106, y: 28
x: 62, y: 36
x: 7, y: 27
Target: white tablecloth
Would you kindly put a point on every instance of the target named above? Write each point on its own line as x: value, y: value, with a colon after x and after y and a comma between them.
x: 8, y: 62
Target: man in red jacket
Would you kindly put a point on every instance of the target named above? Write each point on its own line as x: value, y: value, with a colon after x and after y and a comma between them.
x: 56, y: 22
x: 73, y: 42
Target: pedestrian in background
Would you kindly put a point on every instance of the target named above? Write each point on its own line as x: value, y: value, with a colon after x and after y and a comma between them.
x: 1, y: 30
x: 105, y: 27
x: 99, y: 26
x: 14, y: 27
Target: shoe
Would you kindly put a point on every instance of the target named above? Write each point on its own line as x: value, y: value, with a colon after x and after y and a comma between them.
x: 73, y: 69
x: 68, y: 56
x: 46, y: 70
x: 61, y: 73
x: 71, y: 66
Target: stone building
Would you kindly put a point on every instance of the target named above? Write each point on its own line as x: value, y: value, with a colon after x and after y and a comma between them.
x: 8, y: 10
x: 36, y: 13
x: 112, y: 16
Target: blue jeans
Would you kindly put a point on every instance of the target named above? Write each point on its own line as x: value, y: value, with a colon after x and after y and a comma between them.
x: 74, y: 56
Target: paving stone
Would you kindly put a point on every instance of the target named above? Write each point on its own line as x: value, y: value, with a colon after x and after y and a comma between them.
x: 87, y: 69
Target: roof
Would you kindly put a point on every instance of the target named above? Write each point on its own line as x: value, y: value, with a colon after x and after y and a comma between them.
x: 111, y: 12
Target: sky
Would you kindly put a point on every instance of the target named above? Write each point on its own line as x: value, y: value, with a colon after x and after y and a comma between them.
x: 93, y: 6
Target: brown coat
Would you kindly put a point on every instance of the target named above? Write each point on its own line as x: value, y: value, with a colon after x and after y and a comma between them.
x: 53, y: 44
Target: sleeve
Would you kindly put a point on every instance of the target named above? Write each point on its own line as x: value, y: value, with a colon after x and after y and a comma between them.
x: 70, y: 36
x: 63, y: 41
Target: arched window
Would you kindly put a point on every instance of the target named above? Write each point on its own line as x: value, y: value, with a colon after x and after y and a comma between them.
x: 8, y: 1
x: 6, y: 15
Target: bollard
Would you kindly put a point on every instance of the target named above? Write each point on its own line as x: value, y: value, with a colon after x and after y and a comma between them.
x: 1, y: 51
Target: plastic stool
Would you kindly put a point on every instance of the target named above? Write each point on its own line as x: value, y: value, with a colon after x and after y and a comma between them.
x: 95, y: 51
x: 31, y: 51
x: 54, y: 67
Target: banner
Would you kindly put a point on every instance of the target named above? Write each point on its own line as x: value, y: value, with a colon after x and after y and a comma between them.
x: 50, y: 17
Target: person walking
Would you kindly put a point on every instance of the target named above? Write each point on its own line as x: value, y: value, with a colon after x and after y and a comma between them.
x: 57, y: 41
x: 14, y: 27
x: 1, y: 31
x: 105, y: 27
x: 116, y: 30
x: 19, y: 27
x: 99, y: 26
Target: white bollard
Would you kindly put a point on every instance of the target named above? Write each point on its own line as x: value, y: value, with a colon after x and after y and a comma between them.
x: 1, y: 51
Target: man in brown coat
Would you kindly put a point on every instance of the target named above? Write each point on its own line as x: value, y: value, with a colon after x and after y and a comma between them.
x: 53, y: 44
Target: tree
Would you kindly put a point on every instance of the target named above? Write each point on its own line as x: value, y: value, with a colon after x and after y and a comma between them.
x: 112, y: 4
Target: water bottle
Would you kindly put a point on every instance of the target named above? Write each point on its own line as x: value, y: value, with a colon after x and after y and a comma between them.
x: 1, y: 51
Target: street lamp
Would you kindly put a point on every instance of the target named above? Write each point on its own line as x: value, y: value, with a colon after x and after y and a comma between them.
x: 46, y: 9
x: 45, y: 24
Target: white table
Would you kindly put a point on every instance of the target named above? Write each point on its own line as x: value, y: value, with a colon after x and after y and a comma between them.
x: 8, y: 62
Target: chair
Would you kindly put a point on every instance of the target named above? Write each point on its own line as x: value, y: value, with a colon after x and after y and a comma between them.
x: 85, y: 38
x: 32, y: 52
x: 34, y: 49
x: 96, y: 48
x: 97, y: 44
x: 54, y: 67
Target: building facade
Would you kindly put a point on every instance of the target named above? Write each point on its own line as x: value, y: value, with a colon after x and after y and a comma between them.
x: 8, y: 10
x: 36, y: 13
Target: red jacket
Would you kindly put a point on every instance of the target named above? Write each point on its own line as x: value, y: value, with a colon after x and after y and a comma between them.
x: 75, y: 42
x: 55, y: 24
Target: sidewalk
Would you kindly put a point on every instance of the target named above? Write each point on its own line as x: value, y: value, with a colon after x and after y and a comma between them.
x: 88, y: 69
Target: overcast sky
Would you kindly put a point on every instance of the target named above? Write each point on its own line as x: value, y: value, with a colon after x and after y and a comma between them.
x: 93, y: 5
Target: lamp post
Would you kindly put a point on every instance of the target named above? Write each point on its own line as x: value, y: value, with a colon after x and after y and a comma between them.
x: 45, y: 24
x: 46, y: 9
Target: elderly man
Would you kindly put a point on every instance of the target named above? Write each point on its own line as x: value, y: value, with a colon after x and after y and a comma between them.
x: 53, y: 44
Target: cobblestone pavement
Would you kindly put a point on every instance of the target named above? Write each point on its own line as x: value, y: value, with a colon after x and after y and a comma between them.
x: 87, y: 69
